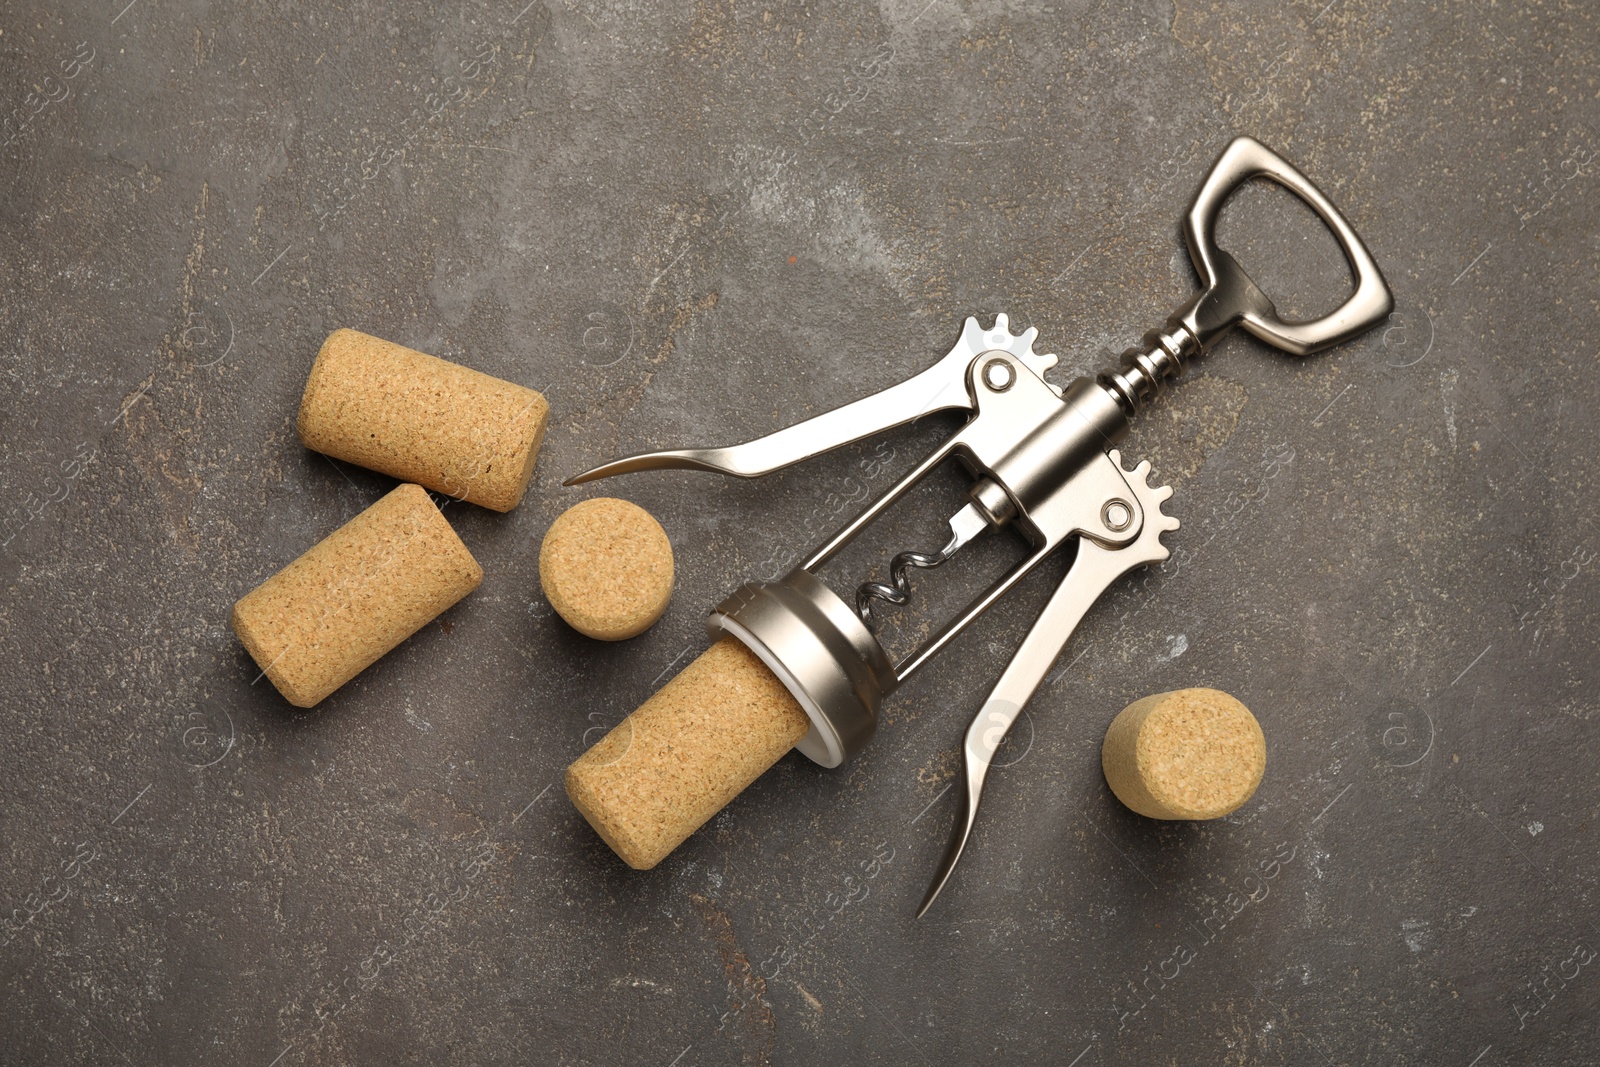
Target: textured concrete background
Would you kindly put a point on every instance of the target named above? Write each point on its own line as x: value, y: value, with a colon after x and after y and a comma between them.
x: 689, y: 224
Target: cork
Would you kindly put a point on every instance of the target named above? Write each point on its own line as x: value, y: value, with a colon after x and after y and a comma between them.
x: 606, y: 567
x: 1187, y: 754
x: 356, y: 594
x: 421, y: 419
x: 685, y: 753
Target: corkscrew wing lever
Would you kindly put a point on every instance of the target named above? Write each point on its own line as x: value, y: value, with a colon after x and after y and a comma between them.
x: 1093, y: 571
x: 942, y: 387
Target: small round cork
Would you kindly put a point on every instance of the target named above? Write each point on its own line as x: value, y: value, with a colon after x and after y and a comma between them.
x: 422, y: 419
x: 1187, y: 754
x: 606, y: 567
x: 685, y: 753
x: 355, y: 595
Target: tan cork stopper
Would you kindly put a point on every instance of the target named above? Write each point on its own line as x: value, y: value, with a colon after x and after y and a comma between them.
x: 685, y: 753
x: 421, y: 419
x: 356, y: 594
x: 606, y: 567
x: 1187, y: 754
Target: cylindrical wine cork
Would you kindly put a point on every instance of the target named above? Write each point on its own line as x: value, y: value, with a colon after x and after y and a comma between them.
x: 685, y: 753
x: 1187, y: 754
x: 606, y: 567
x: 356, y: 594
x: 421, y: 419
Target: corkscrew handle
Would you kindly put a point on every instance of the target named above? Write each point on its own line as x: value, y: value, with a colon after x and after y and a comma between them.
x: 1247, y: 158
x: 1229, y: 297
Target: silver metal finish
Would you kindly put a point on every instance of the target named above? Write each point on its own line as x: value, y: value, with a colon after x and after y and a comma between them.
x: 821, y: 651
x: 1092, y: 572
x: 1042, y: 462
x: 998, y: 375
x: 1085, y: 494
x: 1371, y: 302
x: 939, y: 388
x: 992, y: 501
x: 1046, y: 453
x: 965, y: 525
x: 1229, y: 298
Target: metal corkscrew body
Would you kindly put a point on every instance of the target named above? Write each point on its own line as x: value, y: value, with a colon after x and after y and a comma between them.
x: 1043, y: 464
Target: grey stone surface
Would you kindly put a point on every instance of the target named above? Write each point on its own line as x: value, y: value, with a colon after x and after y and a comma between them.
x: 693, y: 223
